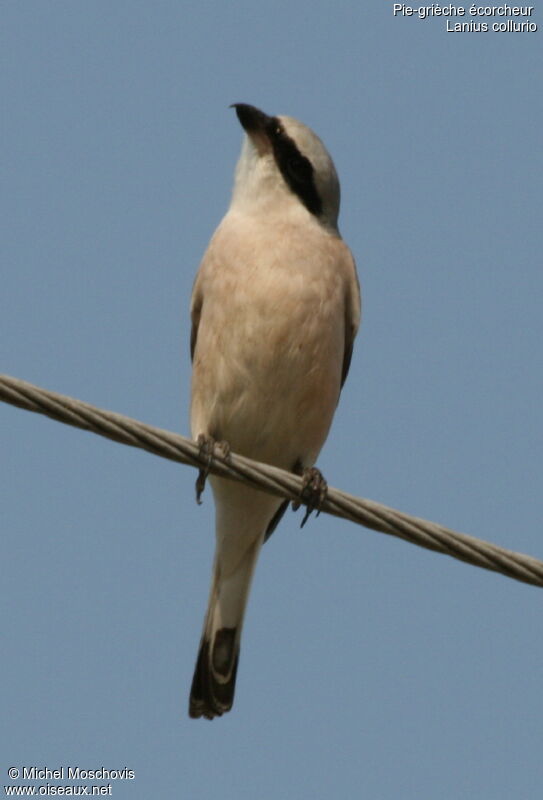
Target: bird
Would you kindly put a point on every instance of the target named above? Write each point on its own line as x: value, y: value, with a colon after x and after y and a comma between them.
x: 275, y: 310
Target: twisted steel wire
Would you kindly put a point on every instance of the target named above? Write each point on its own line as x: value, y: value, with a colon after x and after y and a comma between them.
x: 270, y: 479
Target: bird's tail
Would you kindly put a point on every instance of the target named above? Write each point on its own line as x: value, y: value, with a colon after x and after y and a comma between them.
x: 214, y: 681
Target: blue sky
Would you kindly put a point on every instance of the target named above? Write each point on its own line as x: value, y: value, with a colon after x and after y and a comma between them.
x: 369, y: 667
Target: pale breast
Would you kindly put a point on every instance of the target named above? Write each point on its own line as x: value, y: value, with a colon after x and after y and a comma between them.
x: 269, y: 352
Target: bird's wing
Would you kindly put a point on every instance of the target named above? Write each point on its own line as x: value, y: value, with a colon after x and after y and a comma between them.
x: 195, y: 314
x: 352, y: 312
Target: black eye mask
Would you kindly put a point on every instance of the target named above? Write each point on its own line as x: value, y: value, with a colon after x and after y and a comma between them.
x: 295, y: 168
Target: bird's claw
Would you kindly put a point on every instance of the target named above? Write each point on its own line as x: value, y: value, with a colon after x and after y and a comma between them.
x: 313, y: 494
x: 208, y: 448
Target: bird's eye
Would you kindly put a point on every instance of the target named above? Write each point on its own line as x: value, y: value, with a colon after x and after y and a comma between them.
x: 299, y: 168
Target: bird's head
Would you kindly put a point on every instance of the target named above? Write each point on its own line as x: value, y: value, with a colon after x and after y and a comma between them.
x: 284, y: 167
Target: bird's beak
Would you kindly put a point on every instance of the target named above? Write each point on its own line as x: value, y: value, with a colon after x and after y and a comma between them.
x: 256, y: 124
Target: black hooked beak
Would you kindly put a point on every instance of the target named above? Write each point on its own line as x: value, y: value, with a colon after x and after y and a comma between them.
x: 252, y: 119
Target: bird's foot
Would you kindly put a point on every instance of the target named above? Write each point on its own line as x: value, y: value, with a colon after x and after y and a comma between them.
x: 313, y: 494
x: 208, y: 448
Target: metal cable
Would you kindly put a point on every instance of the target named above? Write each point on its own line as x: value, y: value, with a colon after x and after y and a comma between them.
x: 276, y: 481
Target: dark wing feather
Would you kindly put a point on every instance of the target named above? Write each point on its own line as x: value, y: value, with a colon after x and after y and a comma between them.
x: 352, y: 319
x: 276, y: 519
x: 347, y: 355
x: 193, y: 335
x: 195, y: 313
